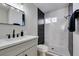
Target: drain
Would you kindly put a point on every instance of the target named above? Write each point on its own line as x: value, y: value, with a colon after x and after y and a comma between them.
x: 52, y: 48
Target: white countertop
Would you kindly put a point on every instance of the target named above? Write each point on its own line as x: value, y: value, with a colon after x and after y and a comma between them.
x: 4, y: 43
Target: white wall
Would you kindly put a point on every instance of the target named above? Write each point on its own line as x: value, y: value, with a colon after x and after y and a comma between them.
x: 31, y: 19
x: 56, y: 34
x: 31, y: 23
x: 76, y: 33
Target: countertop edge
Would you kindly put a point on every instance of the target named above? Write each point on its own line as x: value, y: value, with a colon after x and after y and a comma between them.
x: 16, y: 43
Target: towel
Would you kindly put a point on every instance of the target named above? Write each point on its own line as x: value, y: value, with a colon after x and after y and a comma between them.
x: 72, y: 20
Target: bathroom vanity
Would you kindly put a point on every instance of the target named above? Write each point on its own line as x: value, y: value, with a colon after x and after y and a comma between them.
x: 22, y: 46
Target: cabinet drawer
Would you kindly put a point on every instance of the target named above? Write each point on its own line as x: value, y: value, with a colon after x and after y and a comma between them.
x: 29, y: 52
x: 14, y: 50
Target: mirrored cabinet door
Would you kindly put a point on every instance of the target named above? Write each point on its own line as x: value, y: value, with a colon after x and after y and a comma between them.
x: 11, y: 15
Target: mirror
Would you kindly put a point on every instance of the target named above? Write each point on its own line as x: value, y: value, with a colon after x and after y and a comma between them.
x: 11, y: 15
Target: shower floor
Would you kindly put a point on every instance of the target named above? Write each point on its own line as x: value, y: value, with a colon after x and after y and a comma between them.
x: 58, y: 52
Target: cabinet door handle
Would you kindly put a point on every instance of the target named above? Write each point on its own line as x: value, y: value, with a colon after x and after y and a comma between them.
x: 25, y: 54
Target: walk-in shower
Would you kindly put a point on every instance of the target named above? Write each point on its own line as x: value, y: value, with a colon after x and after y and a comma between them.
x: 56, y: 31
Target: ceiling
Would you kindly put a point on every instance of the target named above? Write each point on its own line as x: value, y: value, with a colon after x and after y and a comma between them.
x: 47, y: 7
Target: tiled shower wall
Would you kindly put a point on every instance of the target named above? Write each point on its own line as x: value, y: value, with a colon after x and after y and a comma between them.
x: 56, y: 33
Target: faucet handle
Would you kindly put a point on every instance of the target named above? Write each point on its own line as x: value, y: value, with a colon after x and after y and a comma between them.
x: 8, y: 36
x: 13, y: 33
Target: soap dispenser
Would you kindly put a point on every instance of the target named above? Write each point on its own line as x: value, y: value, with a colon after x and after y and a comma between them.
x: 22, y: 33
